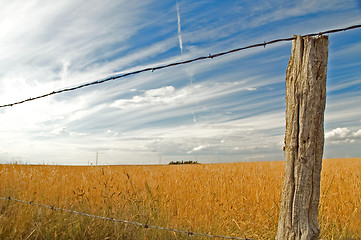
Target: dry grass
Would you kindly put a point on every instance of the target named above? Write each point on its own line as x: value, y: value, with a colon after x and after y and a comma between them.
x: 239, y: 199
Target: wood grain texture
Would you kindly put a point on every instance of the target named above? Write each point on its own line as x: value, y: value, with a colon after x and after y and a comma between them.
x: 304, y: 138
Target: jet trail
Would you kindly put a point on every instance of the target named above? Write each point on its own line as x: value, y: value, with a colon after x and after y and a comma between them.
x: 181, y: 49
x: 179, y: 29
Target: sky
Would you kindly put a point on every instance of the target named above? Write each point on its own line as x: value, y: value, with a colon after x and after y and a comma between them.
x: 226, y: 109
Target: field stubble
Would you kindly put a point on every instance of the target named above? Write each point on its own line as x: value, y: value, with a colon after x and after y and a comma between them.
x: 234, y: 199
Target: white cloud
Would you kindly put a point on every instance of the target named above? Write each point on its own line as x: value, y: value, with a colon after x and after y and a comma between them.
x: 237, y: 104
x: 66, y: 132
x: 163, y: 91
x: 251, y: 89
x: 198, y: 148
x: 342, y: 135
x: 163, y: 95
x: 338, y: 133
x: 357, y: 134
x: 112, y: 133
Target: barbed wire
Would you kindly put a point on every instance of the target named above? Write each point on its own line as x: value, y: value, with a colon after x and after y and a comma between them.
x: 146, y: 226
x: 210, y: 56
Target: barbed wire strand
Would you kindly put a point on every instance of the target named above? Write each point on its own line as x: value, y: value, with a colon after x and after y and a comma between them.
x: 210, y: 56
x: 189, y: 233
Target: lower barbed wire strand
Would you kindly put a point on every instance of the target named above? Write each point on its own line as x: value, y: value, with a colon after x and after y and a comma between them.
x: 121, y: 221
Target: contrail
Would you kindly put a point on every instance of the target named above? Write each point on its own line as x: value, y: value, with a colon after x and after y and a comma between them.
x: 181, y: 48
x: 179, y: 29
x: 194, y: 118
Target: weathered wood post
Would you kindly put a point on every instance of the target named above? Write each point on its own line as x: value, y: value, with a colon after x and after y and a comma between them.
x: 304, y: 138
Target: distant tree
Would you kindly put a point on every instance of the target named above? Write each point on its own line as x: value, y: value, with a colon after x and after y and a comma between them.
x: 183, y: 162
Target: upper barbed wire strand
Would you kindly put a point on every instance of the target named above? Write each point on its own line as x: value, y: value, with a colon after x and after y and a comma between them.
x: 152, y: 69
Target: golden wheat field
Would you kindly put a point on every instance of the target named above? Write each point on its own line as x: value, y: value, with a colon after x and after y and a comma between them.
x: 234, y: 199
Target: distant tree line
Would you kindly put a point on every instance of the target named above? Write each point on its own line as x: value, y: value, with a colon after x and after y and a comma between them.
x: 183, y: 162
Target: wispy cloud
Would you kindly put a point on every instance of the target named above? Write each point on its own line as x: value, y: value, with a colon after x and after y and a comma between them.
x: 237, y: 102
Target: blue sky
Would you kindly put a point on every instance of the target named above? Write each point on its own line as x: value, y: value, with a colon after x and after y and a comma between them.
x: 222, y: 110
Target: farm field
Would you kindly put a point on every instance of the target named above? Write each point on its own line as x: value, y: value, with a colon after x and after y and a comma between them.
x: 233, y: 199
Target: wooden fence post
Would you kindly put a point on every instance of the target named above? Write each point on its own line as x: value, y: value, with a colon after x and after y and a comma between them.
x: 304, y: 138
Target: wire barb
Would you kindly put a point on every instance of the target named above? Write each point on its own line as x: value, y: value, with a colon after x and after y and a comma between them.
x: 180, y: 63
x: 121, y: 221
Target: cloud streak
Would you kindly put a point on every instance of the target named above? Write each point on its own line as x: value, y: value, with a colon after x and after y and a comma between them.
x: 230, y: 108
x: 179, y: 29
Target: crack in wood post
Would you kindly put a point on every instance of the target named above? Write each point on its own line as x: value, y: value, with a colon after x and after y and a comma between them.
x: 304, y: 138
